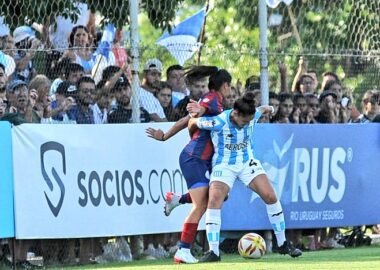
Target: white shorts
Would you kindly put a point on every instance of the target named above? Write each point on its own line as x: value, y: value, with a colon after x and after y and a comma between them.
x: 244, y: 172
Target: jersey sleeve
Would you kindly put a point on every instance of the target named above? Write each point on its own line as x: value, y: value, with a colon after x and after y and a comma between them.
x: 211, y: 104
x: 212, y: 123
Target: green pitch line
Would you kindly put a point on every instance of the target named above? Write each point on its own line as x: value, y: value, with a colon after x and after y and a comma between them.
x: 349, y: 258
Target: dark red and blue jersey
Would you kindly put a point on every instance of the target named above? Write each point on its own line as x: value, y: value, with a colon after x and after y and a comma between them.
x: 201, y: 145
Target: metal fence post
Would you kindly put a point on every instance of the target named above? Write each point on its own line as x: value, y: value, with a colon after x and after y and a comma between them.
x: 135, y: 40
x: 263, y: 26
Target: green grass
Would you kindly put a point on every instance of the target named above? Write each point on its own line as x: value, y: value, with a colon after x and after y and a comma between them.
x: 350, y: 258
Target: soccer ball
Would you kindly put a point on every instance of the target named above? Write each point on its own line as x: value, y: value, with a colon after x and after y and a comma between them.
x: 252, y: 246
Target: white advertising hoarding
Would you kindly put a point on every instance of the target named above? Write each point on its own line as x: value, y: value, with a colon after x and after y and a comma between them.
x: 95, y: 180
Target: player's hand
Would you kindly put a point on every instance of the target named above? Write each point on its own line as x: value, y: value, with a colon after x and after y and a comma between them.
x: 265, y: 109
x: 193, y: 108
x: 157, y: 134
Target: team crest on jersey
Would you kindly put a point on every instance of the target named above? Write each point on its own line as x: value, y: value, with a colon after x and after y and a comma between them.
x: 206, y: 100
x: 229, y: 136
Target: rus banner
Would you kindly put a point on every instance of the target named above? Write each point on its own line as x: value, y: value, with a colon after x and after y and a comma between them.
x: 325, y: 176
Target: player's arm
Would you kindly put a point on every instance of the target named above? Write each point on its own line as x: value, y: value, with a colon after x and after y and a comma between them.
x: 214, y: 123
x: 159, y: 135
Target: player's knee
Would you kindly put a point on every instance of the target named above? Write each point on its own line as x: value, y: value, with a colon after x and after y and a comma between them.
x: 269, y: 197
x: 215, y: 200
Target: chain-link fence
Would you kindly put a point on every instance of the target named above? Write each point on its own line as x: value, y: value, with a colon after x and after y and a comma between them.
x: 65, y: 40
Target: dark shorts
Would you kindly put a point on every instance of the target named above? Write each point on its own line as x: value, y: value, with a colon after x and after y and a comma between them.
x: 195, y: 170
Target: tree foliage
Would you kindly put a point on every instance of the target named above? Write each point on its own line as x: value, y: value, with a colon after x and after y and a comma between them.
x: 19, y: 12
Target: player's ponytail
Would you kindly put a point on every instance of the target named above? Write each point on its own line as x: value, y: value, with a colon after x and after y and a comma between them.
x: 246, y: 104
x: 216, y: 76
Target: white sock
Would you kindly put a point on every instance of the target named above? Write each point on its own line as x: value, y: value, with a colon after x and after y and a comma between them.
x: 276, y: 218
x: 213, y: 221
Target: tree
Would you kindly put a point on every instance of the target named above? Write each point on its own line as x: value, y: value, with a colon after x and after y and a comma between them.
x: 17, y: 12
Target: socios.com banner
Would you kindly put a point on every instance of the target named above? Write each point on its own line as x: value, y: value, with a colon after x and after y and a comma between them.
x: 325, y: 175
x: 6, y: 183
x: 94, y: 180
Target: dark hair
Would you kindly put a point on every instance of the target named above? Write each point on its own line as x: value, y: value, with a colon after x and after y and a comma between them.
x: 273, y: 95
x: 161, y: 86
x: 109, y: 71
x: 298, y: 96
x: 330, y: 83
x: 332, y: 74
x: 164, y: 85
x: 375, y: 98
x: 216, y: 79
x: 121, y: 83
x: 284, y: 96
x: 85, y: 79
x: 303, y: 76
x: 2, y: 66
x: 72, y: 67
x: 252, y: 83
x: 245, y: 105
x: 74, y: 30
x: 309, y: 96
x: 172, y: 68
x: 63, y: 87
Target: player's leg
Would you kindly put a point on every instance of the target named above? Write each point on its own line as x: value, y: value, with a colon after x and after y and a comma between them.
x: 195, y: 172
x: 262, y: 186
x: 220, y: 183
x: 173, y: 200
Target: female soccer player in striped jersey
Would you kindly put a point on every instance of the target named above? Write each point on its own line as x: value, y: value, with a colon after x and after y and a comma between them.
x: 195, y: 158
x: 231, y: 133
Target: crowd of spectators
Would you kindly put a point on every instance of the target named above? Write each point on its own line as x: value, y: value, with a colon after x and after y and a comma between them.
x: 83, y: 86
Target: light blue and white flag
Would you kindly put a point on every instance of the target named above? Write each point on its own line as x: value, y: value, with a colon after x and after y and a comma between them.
x: 182, y: 42
x: 4, y: 28
x: 105, y: 45
x: 275, y: 3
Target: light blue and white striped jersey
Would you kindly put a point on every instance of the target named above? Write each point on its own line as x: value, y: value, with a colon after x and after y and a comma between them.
x: 231, y: 144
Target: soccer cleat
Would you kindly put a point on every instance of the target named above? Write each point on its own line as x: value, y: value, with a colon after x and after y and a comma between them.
x: 183, y: 255
x: 210, y: 256
x: 288, y: 248
x: 171, y: 202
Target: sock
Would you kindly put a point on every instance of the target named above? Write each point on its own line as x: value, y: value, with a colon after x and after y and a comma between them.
x: 276, y: 218
x: 213, y: 221
x: 189, y: 231
x: 185, y: 198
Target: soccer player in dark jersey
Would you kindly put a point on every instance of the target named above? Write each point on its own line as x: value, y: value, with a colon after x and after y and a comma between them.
x: 195, y: 158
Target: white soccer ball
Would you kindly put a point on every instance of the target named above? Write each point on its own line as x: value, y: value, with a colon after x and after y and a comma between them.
x: 252, y: 246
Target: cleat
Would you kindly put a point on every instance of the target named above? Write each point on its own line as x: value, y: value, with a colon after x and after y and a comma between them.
x: 183, y: 255
x: 171, y: 202
x: 210, y: 256
x: 288, y: 248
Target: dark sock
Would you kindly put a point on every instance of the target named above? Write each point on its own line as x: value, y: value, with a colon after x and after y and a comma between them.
x: 185, y: 198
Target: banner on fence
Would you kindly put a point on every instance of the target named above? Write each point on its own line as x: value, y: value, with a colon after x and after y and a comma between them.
x: 6, y: 183
x: 100, y: 180
x: 105, y: 180
x: 325, y: 176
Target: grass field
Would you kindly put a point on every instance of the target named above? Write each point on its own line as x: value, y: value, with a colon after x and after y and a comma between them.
x: 350, y: 258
